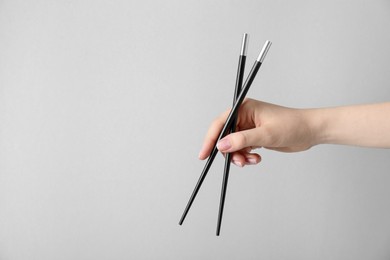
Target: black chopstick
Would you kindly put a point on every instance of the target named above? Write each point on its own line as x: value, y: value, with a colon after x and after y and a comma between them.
x: 227, y: 125
x: 237, y: 90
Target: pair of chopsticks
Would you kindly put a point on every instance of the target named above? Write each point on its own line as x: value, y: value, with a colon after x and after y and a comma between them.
x: 230, y: 125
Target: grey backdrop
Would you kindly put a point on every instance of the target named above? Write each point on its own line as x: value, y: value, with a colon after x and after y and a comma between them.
x: 103, y: 109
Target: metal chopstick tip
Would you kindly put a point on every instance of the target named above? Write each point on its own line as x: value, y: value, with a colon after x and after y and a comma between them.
x: 244, y: 46
x: 264, y: 51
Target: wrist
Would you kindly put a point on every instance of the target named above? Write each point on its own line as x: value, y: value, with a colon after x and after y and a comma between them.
x: 318, y: 124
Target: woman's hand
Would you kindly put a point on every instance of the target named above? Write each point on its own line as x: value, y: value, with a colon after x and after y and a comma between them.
x: 260, y: 124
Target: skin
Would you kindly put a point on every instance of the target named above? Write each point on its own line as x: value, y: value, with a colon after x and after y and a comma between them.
x: 283, y: 129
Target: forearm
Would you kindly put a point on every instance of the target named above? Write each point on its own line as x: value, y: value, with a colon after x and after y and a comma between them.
x: 360, y: 125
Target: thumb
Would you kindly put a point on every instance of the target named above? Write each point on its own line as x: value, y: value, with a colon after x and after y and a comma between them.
x: 240, y: 140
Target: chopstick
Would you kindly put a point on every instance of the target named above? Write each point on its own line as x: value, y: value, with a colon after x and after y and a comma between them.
x: 237, y: 90
x: 227, y: 125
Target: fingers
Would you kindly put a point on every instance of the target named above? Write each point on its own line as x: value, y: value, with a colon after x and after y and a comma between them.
x: 240, y: 140
x: 212, y: 135
x: 244, y: 158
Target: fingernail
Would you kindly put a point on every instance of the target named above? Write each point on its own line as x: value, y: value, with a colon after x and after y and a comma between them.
x: 252, y: 161
x: 224, y: 145
x: 238, y: 163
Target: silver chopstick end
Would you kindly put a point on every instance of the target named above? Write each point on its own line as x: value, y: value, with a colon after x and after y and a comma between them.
x: 244, y: 46
x: 264, y: 51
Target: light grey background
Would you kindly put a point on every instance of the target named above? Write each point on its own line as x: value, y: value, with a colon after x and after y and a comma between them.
x: 104, y: 105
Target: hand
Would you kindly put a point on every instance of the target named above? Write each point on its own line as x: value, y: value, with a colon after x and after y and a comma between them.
x: 260, y: 124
